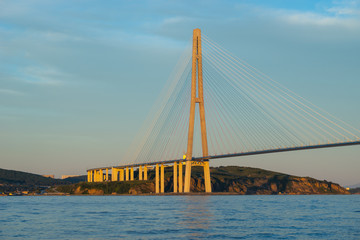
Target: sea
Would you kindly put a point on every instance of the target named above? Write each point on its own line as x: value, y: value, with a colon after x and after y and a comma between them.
x: 181, y: 217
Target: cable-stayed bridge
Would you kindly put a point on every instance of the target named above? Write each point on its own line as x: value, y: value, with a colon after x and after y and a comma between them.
x: 218, y: 106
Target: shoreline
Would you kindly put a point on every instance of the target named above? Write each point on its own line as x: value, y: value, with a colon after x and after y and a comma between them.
x: 175, y: 194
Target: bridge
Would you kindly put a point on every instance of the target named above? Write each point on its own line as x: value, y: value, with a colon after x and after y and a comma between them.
x: 248, y: 113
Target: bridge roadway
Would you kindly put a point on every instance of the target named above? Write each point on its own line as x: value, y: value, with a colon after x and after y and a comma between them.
x: 126, y: 172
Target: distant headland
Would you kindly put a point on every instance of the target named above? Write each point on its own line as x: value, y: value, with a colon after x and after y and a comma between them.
x: 224, y: 180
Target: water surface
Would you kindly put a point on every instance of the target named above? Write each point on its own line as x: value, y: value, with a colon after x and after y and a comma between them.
x: 180, y: 217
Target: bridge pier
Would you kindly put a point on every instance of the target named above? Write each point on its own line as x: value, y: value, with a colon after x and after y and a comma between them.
x: 95, y: 175
x: 140, y: 173
x: 207, y: 176
x: 131, y: 174
x: 145, y: 173
x: 121, y: 173
x: 101, y: 176
x: 175, y: 177
x: 127, y: 174
x: 107, y: 175
x: 180, y: 177
x: 187, y: 176
x: 157, y: 178
x: 162, y: 185
x: 114, y: 174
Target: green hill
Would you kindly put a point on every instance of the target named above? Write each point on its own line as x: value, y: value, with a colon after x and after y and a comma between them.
x: 76, y: 179
x: 23, y: 178
x: 16, y: 181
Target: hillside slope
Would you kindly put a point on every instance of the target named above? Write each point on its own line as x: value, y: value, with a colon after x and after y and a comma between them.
x: 245, y: 180
x: 24, y: 178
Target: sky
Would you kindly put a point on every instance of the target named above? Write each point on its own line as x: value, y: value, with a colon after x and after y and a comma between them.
x: 78, y: 78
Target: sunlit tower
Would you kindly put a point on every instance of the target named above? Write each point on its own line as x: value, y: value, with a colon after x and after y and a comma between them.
x: 197, y: 97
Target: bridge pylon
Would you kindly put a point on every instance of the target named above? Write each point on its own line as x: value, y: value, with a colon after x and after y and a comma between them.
x: 197, y: 84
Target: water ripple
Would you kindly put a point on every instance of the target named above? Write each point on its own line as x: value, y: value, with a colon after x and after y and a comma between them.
x: 180, y: 217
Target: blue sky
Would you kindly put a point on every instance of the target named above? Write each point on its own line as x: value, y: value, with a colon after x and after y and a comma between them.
x: 77, y: 78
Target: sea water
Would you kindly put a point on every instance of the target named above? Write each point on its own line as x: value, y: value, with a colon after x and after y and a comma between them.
x: 180, y: 217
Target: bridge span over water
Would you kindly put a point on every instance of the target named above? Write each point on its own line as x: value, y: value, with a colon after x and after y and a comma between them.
x: 247, y: 112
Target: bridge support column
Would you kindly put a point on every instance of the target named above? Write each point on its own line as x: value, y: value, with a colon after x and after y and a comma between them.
x: 180, y: 177
x: 187, y: 176
x: 121, y: 173
x: 114, y: 174
x: 88, y: 176
x: 207, y: 176
x: 107, y: 175
x: 127, y: 173
x: 162, y: 179
x: 157, y: 178
x: 95, y: 176
x: 175, y: 177
x: 145, y: 173
x: 101, y: 176
x: 140, y: 173
x: 131, y: 174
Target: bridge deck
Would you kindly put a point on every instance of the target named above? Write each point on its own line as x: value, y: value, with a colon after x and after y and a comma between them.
x: 266, y: 151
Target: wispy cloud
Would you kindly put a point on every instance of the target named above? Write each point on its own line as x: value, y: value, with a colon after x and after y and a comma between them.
x: 337, y: 13
x: 345, y: 8
x: 43, y: 76
x: 311, y: 18
x: 10, y: 92
x: 60, y: 36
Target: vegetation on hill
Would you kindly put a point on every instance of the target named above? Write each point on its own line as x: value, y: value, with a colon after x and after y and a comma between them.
x: 245, y: 180
x: 96, y: 188
x: 15, y: 181
x: 24, y: 178
x: 76, y: 179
